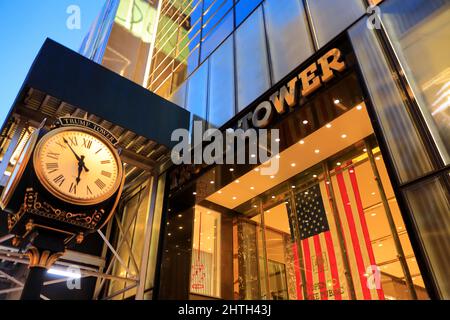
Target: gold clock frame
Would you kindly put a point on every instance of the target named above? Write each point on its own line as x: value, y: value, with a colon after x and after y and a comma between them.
x: 57, y: 193
x: 4, y: 200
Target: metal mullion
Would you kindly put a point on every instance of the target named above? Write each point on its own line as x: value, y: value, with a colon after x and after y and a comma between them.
x: 116, y: 254
x: 392, y: 227
x: 266, y: 39
x: 147, y: 238
x: 120, y: 292
x: 133, y: 260
x: 312, y: 30
x: 111, y: 263
x: 104, y: 252
x: 216, y: 24
x: 216, y: 11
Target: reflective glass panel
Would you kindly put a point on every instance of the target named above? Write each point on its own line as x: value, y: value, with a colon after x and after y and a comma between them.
x: 251, y: 60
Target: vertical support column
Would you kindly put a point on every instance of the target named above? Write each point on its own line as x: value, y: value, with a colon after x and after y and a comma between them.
x: 395, y: 237
x: 340, y: 234
x: 264, y: 250
x: 147, y: 239
x: 43, y: 253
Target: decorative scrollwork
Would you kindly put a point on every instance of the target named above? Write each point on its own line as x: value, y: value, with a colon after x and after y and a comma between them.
x: 36, y: 206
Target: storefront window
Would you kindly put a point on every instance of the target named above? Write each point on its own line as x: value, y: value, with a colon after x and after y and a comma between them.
x: 419, y: 30
x: 206, y: 264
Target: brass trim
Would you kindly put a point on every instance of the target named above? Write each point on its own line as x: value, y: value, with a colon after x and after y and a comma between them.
x: 59, y: 194
x: 42, y: 259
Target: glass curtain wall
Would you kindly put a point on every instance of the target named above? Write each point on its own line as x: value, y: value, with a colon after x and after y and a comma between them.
x: 130, y: 239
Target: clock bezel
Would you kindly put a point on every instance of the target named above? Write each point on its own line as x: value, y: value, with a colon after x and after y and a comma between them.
x: 29, y: 146
x: 50, y: 188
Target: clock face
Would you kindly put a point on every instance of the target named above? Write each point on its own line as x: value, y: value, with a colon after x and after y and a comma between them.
x: 77, y: 165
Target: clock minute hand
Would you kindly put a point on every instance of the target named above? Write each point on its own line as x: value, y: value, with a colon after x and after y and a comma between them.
x: 80, y: 159
x: 73, y: 151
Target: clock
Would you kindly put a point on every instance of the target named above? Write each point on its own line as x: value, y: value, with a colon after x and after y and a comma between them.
x: 18, y: 169
x: 78, y: 165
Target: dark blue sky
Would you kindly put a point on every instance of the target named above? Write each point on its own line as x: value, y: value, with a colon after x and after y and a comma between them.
x: 24, y: 25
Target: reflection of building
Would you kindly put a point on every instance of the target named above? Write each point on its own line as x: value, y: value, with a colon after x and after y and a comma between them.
x: 359, y: 207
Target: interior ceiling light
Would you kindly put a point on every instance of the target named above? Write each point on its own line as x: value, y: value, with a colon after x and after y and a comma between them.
x: 231, y: 169
x: 337, y: 101
x: 328, y: 125
x: 316, y: 151
x: 292, y: 164
x: 302, y: 142
x: 305, y: 121
x: 359, y: 107
x: 343, y: 136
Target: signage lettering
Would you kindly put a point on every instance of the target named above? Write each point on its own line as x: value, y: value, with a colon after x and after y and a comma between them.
x: 287, y: 97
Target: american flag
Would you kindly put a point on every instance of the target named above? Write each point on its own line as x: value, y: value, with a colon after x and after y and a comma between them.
x: 321, y: 254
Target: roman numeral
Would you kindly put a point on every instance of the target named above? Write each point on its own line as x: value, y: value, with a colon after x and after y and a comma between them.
x: 52, y: 167
x: 105, y: 161
x: 73, y: 141
x: 106, y: 174
x: 87, y: 143
x: 73, y: 188
x: 59, y: 143
x: 88, y: 190
x: 59, y: 179
x: 100, y: 184
x: 53, y: 155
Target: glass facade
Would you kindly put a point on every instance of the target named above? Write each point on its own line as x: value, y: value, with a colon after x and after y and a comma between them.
x: 364, y: 217
x: 326, y: 226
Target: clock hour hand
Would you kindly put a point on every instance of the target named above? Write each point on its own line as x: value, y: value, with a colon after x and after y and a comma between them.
x: 80, y: 168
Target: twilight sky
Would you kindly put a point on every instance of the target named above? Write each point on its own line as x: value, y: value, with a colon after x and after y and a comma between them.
x: 24, y: 25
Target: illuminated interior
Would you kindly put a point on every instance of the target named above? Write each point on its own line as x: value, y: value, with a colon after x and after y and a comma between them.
x: 265, y: 228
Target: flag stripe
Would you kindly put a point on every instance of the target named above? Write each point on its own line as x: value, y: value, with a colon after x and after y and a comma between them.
x: 333, y: 225
x: 353, y: 233
x: 320, y: 267
x: 297, y: 272
x: 333, y: 267
x: 308, y: 269
x: 362, y: 220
